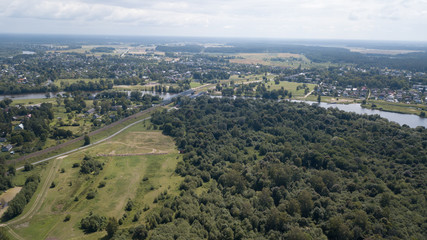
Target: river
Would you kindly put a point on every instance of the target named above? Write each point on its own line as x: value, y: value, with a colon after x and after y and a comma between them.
x: 409, y: 119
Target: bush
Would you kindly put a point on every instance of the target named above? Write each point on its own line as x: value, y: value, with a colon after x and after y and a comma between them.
x: 90, y: 165
x: 93, y: 223
x: 28, y: 167
x: 129, y: 205
x: 86, y: 140
x: 90, y: 195
x: 102, y: 184
x: 112, y: 227
x: 67, y: 218
x: 140, y: 233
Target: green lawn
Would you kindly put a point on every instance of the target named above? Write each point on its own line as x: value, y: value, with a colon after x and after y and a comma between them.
x: 290, y: 86
x: 33, y: 101
x: 195, y: 84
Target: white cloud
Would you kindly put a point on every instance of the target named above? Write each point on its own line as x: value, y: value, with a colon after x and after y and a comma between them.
x: 361, y: 19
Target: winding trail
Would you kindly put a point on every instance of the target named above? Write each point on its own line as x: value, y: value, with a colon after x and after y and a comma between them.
x: 35, y: 206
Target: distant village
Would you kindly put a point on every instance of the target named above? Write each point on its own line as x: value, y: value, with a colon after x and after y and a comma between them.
x: 417, y: 94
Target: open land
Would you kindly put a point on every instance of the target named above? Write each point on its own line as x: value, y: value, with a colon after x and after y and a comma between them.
x: 123, y: 176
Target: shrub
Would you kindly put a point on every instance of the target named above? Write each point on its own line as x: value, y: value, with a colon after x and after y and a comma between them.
x: 129, y: 205
x: 92, y: 223
x: 90, y: 165
x: 90, y: 195
x: 102, y: 184
x: 67, y: 218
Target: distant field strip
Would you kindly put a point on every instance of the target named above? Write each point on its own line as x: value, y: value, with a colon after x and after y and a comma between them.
x: 130, y: 154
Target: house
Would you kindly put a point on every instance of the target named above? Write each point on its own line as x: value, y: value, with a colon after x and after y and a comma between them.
x: 2, y: 139
x: 6, y: 148
x: 19, y: 127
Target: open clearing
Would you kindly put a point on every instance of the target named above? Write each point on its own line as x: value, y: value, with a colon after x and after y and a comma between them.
x: 265, y: 58
x: 290, y: 86
x: 123, y: 177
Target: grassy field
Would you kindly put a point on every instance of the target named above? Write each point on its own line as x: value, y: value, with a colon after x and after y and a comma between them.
x: 195, y: 84
x: 123, y: 176
x: 396, y: 107
x: 266, y: 58
x: 289, y: 60
x: 329, y: 99
x: 33, y: 101
x: 86, y: 49
x: 243, y: 79
x: 76, y: 80
x: 290, y: 86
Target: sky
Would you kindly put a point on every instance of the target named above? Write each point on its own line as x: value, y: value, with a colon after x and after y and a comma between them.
x: 289, y: 19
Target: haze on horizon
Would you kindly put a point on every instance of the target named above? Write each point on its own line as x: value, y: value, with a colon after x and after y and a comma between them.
x: 395, y: 20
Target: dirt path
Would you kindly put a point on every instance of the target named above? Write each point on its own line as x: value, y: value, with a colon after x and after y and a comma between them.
x: 308, y: 94
x: 39, y: 200
x: 50, y: 176
x: 57, y: 147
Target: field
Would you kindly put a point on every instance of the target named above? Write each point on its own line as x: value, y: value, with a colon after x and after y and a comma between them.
x: 289, y: 60
x: 396, y: 107
x: 265, y: 58
x: 86, y: 49
x: 290, y: 86
x: 329, y: 99
x: 137, y: 153
x: 76, y: 80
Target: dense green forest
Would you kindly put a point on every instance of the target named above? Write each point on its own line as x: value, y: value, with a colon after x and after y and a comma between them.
x: 281, y: 170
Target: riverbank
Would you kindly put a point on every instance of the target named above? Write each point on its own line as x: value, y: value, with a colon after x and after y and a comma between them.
x: 403, y: 108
